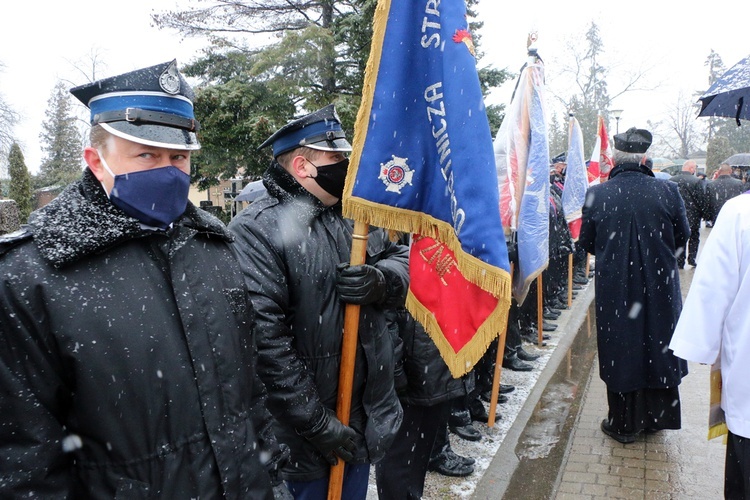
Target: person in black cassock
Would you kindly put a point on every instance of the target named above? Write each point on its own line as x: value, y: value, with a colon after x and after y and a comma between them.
x: 633, y: 224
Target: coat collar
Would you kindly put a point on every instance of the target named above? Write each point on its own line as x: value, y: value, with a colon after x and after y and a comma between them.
x: 281, y: 185
x: 631, y: 167
x: 82, y: 221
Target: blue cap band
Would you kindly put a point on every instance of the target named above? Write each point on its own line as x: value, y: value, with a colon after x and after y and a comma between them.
x: 162, y: 103
x: 294, y: 139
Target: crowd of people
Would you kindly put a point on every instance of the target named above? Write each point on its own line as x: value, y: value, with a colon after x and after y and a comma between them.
x: 149, y: 351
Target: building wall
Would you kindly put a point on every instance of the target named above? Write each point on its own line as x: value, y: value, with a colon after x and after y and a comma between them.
x: 219, y: 196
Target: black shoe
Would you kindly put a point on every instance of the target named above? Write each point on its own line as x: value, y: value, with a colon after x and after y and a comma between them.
x: 580, y: 280
x: 577, y: 287
x: 692, y: 263
x: 504, y: 389
x: 548, y: 327
x: 681, y: 266
x: 526, y: 356
x: 559, y: 304
x: 533, y: 338
x: 507, y: 388
x: 513, y: 363
x: 460, y: 459
x: 479, y: 413
x: 467, y: 432
x: 620, y: 438
x: 449, y: 466
x: 549, y: 314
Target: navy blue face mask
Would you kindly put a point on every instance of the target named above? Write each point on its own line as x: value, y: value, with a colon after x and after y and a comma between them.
x: 156, y: 197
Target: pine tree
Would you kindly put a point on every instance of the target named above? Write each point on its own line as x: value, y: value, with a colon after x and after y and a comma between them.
x: 20, y: 182
x: 8, y: 119
x: 61, y: 141
x: 316, y: 55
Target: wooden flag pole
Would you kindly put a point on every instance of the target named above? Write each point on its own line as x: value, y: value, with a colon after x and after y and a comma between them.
x: 498, y: 369
x: 570, y: 279
x: 588, y: 264
x: 348, y: 356
x: 540, y: 310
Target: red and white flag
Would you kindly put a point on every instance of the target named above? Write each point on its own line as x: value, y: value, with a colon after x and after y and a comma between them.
x: 601, y: 157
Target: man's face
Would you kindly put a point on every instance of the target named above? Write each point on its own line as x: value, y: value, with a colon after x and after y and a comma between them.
x: 560, y: 168
x: 308, y: 170
x: 124, y: 157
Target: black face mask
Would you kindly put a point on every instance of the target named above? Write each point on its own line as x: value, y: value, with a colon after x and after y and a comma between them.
x: 332, y: 177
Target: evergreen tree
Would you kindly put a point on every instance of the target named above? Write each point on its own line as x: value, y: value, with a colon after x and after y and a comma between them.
x: 718, y: 150
x: 317, y: 56
x: 61, y: 141
x: 593, y: 96
x: 8, y: 119
x: 20, y: 182
x: 558, y: 136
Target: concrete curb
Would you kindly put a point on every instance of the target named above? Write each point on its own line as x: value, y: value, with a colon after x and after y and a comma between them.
x: 496, y: 478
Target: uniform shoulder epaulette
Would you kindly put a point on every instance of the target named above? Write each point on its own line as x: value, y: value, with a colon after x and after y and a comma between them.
x: 11, y: 240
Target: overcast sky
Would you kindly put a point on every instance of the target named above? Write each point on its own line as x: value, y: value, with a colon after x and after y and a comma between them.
x: 39, y: 45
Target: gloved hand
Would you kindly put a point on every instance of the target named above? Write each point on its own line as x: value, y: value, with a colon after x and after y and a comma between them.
x: 332, y: 438
x: 361, y: 285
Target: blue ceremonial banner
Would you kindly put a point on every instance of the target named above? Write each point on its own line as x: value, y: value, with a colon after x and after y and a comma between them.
x: 576, y: 179
x: 423, y: 159
x: 522, y: 156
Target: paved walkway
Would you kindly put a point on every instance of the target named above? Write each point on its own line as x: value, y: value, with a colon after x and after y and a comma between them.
x: 668, y: 465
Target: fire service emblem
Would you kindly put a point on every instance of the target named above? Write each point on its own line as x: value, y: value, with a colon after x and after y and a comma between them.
x: 395, y: 174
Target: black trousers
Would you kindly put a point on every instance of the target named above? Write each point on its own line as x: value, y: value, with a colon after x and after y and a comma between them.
x: 401, y: 473
x: 691, y: 252
x: 737, y: 468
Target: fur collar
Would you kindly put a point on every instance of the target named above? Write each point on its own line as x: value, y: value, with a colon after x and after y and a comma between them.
x: 81, y: 221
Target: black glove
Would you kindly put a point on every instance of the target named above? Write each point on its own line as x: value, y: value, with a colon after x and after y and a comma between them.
x: 361, y: 285
x: 332, y: 438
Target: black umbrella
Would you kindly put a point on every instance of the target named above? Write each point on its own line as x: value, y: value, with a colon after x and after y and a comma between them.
x: 738, y: 160
x: 729, y: 96
x: 251, y: 192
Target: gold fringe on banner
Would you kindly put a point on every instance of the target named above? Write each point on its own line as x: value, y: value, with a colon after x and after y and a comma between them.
x: 460, y: 363
x: 489, y: 278
x: 361, y: 125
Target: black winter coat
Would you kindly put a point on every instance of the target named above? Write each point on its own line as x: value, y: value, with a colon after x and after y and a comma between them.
x: 560, y: 239
x: 127, y: 360
x: 289, y: 245
x: 428, y: 379
x: 633, y: 223
x: 719, y: 190
x: 693, y: 195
